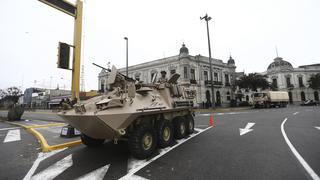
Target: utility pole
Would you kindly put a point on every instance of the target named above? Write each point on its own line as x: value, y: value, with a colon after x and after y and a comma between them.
x: 76, y: 12
x: 208, y: 18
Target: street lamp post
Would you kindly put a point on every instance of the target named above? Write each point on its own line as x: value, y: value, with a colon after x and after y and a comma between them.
x: 208, y: 18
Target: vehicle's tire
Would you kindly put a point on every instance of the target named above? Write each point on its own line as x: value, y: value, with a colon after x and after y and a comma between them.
x: 180, y: 128
x: 189, y: 123
x: 164, y: 133
x: 91, y: 142
x: 142, y: 141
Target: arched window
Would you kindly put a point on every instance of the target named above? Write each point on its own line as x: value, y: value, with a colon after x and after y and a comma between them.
x: 228, y: 96
x: 303, y: 96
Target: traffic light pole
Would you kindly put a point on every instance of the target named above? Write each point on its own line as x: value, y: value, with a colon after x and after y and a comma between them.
x: 76, y: 12
x: 75, y: 86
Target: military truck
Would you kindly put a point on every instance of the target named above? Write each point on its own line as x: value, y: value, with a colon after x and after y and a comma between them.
x: 270, y: 99
x: 147, y: 116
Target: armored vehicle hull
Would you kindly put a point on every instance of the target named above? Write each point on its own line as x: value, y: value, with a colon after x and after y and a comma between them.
x: 147, y: 116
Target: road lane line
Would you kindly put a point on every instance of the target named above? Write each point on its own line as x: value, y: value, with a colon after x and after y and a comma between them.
x: 162, y: 152
x: 295, y: 113
x: 317, y: 127
x: 11, y: 128
x: 13, y: 135
x: 306, y: 166
x: 54, y: 170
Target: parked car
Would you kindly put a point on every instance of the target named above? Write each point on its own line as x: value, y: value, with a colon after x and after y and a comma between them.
x: 310, y: 102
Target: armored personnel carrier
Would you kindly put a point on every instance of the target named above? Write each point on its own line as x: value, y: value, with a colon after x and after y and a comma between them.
x: 148, y: 116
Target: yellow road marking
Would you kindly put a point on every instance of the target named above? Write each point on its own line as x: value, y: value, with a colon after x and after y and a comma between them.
x: 43, y: 142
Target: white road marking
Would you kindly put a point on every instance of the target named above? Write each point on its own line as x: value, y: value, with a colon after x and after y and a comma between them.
x: 162, y: 152
x: 136, y: 177
x: 5, y: 129
x: 246, y: 129
x: 54, y: 170
x: 317, y: 127
x: 41, y: 157
x: 97, y: 174
x: 306, y: 166
x: 13, y: 135
x: 295, y: 113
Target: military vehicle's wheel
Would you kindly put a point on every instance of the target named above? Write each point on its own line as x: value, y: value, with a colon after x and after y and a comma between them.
x: 190, y: 123
x: 164, y: 133
x: 180, y: 128
x: 91, y: 142
x: 142, y: 141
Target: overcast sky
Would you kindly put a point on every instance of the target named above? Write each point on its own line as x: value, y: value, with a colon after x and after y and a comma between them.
x: 248, y: 29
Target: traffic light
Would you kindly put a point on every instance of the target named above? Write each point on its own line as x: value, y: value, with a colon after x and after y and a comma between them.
x: 63, y: 56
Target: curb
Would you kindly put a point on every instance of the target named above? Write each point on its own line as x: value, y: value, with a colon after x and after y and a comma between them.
x: 220, y: 110
x: 45, y: 147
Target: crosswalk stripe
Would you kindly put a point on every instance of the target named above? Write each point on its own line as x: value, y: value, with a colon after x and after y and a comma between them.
x: 12, y: 135
x: 55, y: 169
x: 97, y: 174
x: 41, y: 156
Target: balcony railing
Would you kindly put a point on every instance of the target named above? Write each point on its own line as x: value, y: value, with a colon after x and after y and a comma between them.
x: 193, y: 81
x: 215, y: 83
x: 227, y: 84
x: 290, y: 86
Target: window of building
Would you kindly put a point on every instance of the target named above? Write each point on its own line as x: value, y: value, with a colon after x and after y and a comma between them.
x: 303, y: 96
x: 205, y: 75
x: 172, y: 71
x: 300, y: 81
x: 228, y: 96
x: 185, y: 72
x: 193, y: 74
x: 215, y: 76
x: 275, y: 83
x: 288, y: 81
x: 226, y: 76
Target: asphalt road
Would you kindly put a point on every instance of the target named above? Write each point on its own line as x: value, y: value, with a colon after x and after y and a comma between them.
x: 18, y: 151
x: 216, y: 153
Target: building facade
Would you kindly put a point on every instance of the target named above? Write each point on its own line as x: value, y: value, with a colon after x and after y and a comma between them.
x: 194, y: 73
x: 284, y: 77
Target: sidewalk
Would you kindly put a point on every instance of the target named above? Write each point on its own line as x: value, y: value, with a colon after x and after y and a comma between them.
x: 221, y: 110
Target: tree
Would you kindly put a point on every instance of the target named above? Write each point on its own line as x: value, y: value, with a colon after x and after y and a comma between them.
x: 253, y: 81
x: 314, y: 81
x: 11, y: 95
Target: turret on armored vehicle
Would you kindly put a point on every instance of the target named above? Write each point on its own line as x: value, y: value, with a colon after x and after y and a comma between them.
x: 148, y: 116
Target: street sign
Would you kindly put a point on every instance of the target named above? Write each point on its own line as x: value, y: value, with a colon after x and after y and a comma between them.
x: 62, y: 5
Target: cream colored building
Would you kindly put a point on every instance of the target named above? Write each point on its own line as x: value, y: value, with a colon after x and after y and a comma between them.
x: 293, y: 80
x: 194, y: 73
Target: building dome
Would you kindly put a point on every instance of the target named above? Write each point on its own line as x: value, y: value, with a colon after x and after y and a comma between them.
x: 280, y: 64
x: 231, y: 61
x: 184, y: 49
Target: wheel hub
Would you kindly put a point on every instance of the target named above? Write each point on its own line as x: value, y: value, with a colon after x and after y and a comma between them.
x: 147, y: 141
x: 182, y: 128
x: 190, y: 125
x: 166, y: 134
